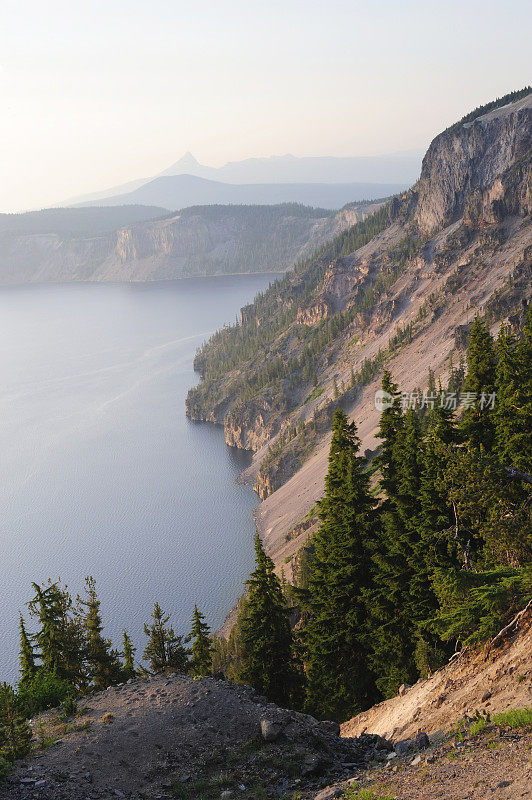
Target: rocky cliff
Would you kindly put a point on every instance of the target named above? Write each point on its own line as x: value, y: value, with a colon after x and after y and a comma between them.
x: 397, y: 290
x: 207, y: 240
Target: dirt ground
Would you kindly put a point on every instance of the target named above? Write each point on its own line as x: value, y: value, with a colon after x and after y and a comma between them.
x: 489, y: 680
x: 497, y: 765
x: 184, y: 738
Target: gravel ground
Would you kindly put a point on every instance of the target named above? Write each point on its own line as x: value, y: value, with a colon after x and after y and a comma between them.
x: 176, y: 736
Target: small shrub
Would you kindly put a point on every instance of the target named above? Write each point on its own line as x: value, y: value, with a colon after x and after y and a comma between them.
x: 107, y: 718
x: 513, y: 718
x: 69, y: 707
x: 44, y: 738
x: 46, y: 690
x: 478, y: 726
x: 5, y: 769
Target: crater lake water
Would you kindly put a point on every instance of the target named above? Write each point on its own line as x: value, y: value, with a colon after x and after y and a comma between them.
x: 101, y: 473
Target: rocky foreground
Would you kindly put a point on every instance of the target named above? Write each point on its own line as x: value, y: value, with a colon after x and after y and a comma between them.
x: 180, y: 737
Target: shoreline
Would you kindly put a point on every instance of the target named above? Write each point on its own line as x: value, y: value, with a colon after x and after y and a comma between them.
x: 156, y: 282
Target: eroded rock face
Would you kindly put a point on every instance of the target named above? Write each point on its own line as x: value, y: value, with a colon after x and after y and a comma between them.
x: 249, y: 428
x: 468, y: 159
x: 314, y: 313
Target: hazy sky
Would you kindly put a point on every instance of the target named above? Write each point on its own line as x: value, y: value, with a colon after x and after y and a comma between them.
x: 99, y: 92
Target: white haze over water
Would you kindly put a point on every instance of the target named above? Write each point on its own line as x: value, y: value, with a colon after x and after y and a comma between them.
x: 101, y: 473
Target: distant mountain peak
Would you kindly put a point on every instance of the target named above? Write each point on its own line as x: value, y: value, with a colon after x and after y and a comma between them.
x: 188, y: 160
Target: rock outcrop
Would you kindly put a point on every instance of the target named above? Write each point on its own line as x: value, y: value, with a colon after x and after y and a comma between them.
x: 469, y: 159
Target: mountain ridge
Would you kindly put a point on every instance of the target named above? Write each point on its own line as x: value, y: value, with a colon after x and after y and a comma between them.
x: 398, y: 168
x: 183, y: 191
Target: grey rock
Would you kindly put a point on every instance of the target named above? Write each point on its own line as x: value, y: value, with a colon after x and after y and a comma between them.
x: 270, y: 730
x: 329, y: 792
x: 486, y: 696
x: 328, y: 726
x: 403, y: 689
x: 402, y: 747
x: 422, y: 740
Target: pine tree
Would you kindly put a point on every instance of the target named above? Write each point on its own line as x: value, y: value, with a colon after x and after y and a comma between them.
x: 389, y: 426
x: 60, y: 638
x: 128, y: 653
x: 103, y: 662
x: 266, y: 635
x: 15, y: 733
x: 437, y: 522
x: 26, y: 656
x: 399, y: 569
x: 200, y: 636
x: 165, y: 650
x: 514, y: 398
x: 477, y: 424
x: 339, y: 681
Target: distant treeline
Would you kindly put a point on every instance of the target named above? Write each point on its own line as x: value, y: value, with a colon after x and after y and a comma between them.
x: 511, y: 97
x: 77, y: 221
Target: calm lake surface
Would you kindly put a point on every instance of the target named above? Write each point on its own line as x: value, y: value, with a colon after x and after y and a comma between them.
x: 101, y: 473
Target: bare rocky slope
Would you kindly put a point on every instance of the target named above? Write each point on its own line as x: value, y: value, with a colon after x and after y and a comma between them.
x: 457, y: 244
x: 204, y: 240
x: 175, y: 736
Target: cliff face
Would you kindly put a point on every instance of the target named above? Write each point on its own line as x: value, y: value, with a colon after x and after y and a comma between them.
x: 458, y: 243
x: 468, y: 159
x: 206, y: 240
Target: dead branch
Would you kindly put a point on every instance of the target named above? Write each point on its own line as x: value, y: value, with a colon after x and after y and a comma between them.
x: 510, y: 625
x: 517, y: 474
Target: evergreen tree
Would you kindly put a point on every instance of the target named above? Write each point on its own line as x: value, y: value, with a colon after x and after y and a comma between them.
x: 389, y: 426
x: 339, y: 681
x: 165, y: 650
x: 200, y: 636
x: 104, y: 665
x: 128, y: 653
x: 60, y: 638
x: 514, y: 397
x: 15, y: 733
x: 266, y: 635
x: 437, y: 524
x: 26, y: 656
x: 477, y: 422
x: 399, y: 569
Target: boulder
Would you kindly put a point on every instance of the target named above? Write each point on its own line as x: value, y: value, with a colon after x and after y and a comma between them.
x: 329, y: 793
x: 422, y: 740
x: 402, y: 747
x: 330, y: 727
x: 270, y: 729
